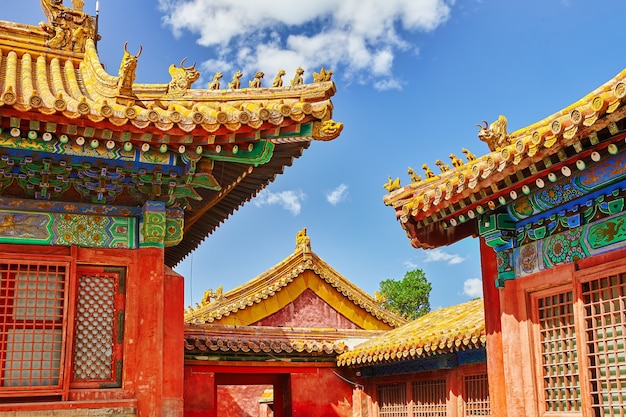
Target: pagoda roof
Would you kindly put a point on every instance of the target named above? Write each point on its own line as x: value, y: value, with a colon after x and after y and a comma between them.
x: 446, y: 330
x: 206, y: 151
x: 445, y: 207
x: 280, y: 285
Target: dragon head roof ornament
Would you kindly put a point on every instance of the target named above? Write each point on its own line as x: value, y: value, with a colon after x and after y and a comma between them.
x: 495, y: 136
x: 67, y: 28
x: 182, y: 79
x: 126, y: 73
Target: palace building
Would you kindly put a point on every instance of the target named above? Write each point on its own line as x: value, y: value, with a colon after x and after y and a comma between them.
x: 280, y: 334
x: 547, y: 203
x: 105, y: 185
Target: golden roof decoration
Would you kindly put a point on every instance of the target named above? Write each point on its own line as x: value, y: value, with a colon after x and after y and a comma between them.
x: 495, y: 136
x: 278, y: 80
x: 67, y: 28
x: 214, y: 306
x: 215, y: 84
x: 322, y: 76
x: 297, y: 79
x: 182, y: 79
x: 236, y: 82
x: 83, y: 89
x: 443, y: 206
x: 445, y: 330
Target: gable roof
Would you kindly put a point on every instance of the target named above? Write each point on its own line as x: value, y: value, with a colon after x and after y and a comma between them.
x: 445, y: 330
x: 113, y: 141
x: 445, y: 208
x: 282, y: 284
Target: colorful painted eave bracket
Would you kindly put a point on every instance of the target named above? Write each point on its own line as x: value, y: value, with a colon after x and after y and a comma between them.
x: 489, y: 183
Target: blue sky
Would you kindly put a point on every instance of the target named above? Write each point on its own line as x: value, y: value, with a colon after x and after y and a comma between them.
x: 413, y: 78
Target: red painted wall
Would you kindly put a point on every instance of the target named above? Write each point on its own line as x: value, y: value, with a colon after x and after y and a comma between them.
x: 511, y: 351
x: 321, y: 394
x: 240, y: 400
x: 152, y: 377
x: 308, y: 310
x: 305, y: 391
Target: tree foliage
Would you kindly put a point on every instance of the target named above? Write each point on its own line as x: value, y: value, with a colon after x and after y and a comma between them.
x: 409, y: 297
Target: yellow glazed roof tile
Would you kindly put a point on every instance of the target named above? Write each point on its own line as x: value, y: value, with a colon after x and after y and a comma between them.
x: 443, y: 205
x: 284, y: 282
x: 445, y: 330
x: 83, y: 90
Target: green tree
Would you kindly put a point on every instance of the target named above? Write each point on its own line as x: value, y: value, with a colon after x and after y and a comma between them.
x: 409, y: 297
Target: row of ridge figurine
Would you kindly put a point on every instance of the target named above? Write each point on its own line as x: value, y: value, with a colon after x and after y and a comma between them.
x: 322, y: 76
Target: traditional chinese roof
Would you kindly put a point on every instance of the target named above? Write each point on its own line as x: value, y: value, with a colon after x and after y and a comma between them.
x: 445, y: 208
x: 224, y: 341
x: 446, y: 330
x: 273, y: 290
x: 73, y: 132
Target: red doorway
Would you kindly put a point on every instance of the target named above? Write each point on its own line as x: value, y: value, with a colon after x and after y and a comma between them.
x: 279, y: 383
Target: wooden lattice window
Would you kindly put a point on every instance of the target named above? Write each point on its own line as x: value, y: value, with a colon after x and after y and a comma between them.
x: 429, y: 398
x: 558, y: 353
x: 605, y: 309
x: 392, y: 400
x: 476, y: 392
x: 32, y: 309
x: 98, y: 329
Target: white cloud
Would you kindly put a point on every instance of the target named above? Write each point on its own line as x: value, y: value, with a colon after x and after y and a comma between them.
x: 409, y: 265
x: 473, y: 287
x: 289, y: 200
x: 337, y: 195
x: 438, y: 255
x: 356, y: 38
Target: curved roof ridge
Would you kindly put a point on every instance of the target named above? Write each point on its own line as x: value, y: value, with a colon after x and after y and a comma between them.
x: 278, y: 277
x: 442, y: 202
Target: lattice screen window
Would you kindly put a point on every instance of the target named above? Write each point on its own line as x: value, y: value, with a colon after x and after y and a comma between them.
x: 392, y: 400
x: 429, y: 398
x: 477, y: 395
x: 31, y: 324
x: 98, y: 329
x: 605, y: 309
x: 559, y: 357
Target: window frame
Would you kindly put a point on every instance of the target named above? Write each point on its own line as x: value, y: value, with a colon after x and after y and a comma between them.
x: 72, y: 271
x: 537, y: 354
x: 119, y: 302
x: 569, y: 277
x: 464, y: 390
x: 455, y: 395
x: 60, y: 389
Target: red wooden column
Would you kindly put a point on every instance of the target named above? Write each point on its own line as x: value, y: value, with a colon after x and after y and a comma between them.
x: 493, y: 327
x: 148, y: 289
x: 174, y: 333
